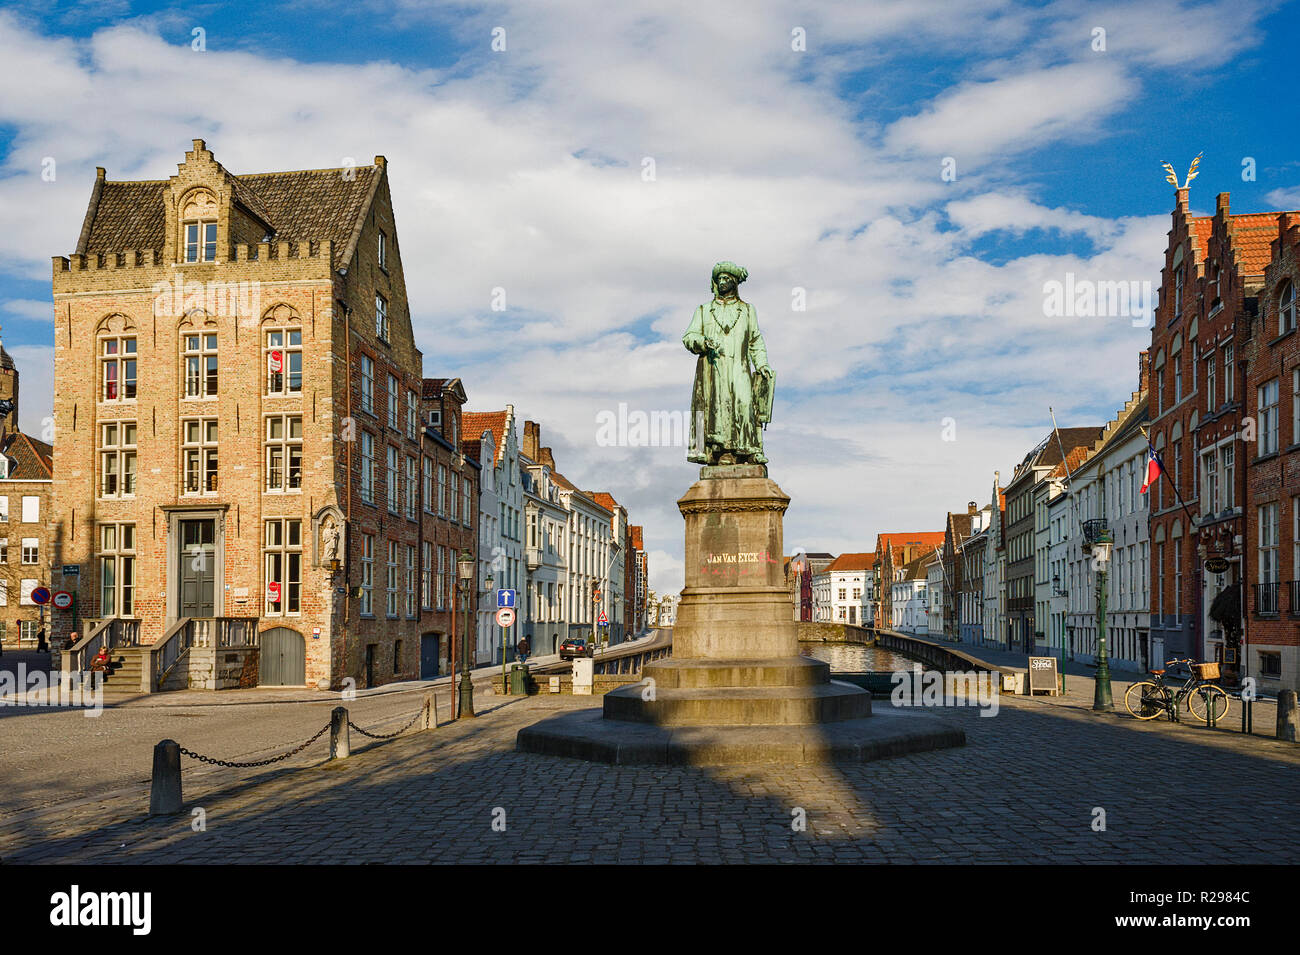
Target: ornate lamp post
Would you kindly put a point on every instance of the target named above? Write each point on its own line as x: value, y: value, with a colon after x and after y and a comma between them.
x: 465, y: 566
x: 1097, y: 542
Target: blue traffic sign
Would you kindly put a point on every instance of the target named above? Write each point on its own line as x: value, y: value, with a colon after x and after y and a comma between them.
x: 505, y: 598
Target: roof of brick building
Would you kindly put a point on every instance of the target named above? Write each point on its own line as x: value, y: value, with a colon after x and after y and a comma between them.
x: 849, y: 562
x: 33, y: 459
x: 636, y: 536
x: 307, y: 204
x: 476, y: 422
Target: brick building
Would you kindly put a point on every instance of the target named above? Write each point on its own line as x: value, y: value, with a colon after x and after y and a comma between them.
x: 27, y: 539
x: 1271, y: 349
x: 957, y: 527
x: 1209, y: 296
x: 893, y: 553
x: 244, y: 458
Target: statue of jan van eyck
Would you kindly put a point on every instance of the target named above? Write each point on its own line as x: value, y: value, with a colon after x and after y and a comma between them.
x: 732, y: 397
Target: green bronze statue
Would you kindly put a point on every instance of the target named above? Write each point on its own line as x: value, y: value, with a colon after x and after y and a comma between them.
x: 732, y: 397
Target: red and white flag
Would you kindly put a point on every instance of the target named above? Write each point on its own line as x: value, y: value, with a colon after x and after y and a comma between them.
x: 1155, y: 467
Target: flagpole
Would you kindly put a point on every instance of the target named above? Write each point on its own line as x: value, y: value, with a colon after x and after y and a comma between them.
x: 1165, y: 471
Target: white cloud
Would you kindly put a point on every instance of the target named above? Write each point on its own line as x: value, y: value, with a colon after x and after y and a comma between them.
x: 524, y: 170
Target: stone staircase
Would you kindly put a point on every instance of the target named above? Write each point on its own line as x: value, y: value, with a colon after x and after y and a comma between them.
x: 123, y: 679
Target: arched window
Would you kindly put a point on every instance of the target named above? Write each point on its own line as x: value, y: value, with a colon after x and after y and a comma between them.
x: 199, y: 227
x: 1286, y: 308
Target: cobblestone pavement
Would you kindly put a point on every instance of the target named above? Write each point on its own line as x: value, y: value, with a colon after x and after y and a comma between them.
x: 1027, y: 787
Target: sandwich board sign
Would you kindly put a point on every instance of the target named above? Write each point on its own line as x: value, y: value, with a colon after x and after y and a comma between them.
x: 1042, y: 676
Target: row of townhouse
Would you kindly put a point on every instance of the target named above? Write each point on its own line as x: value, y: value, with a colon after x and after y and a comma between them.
x: 251, y: 472
x: 1225, y: 521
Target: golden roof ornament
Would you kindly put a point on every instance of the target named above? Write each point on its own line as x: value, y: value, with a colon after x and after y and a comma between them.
x: 1172, y: 177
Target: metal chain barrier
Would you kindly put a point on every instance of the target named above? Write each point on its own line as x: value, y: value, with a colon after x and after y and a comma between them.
x: 261, y: 762
x: 386, y: 735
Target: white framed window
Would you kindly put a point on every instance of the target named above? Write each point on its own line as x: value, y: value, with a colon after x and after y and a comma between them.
x: 1295, y: 416
x: 442, y: 577
x: 4, y: 550
x: 426, y: 576
x: 411, y: 593
x: 393, y: 419
x: 412, y: 488
x: 381, y: 317
x: 116, y: 570
x: 200, y: 240
x: 442, y: 490
x: 1211, y: 361
x: 31, y: 509
x: 391, y: 602
x: 284, y: 453
x: 283, y: 361
x: 455, y: 495
x: 117, y: 369
x: 1266, y: 599
x: 1268, y: 417
x: 1286, y: 308
x: 4, y: 509
x: 412, y: 415
x: 282, y: 556
x: 25, y: 588
x: 1210, y: 481
x: 1229, y: 374
x: 382, y: 250
x: 1228, y: 475
x: 367, y: 467
x: 367, y: 607
x: 201, y: 368
x: 199, y: 456
x: 1176, y: 360
x: 367, y: 384
x: 117, y: 459
x: 427, y: 466
x: 31, y: 550
x: 394, y: 502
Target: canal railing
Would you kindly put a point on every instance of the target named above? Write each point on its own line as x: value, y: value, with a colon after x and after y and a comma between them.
x: 938, y: 656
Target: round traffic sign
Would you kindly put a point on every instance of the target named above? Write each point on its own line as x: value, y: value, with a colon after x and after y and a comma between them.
x: 505, y: 616
x: 62, y: 599
x: 40, y: 595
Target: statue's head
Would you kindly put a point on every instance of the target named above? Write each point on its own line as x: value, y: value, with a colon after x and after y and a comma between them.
x: 726, y: 277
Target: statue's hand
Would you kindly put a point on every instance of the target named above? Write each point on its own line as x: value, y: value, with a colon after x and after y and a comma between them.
x: 766, y: 371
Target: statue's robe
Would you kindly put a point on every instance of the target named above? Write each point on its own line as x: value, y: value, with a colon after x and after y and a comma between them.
x: 723, y: 391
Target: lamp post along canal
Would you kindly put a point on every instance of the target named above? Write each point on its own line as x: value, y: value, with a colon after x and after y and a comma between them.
x: 1097, y: 541
x: 465, y: 568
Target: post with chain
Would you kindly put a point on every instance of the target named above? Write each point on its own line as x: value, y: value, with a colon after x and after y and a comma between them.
x: 429, y: 713
x: 165, y: 789
x: 339, y: 748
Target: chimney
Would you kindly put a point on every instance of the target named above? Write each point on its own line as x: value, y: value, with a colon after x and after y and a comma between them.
x: 1144, y: 369
x: 971, y: 508
x: 532, y: 440
x: 1221, y: 204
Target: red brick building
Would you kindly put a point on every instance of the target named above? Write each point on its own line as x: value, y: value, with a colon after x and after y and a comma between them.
x: 1271, y: 349
x: 1210, y: 285
x: 893, y: 553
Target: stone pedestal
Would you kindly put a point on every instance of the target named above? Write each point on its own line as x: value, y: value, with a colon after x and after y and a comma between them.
x: 736, y: 689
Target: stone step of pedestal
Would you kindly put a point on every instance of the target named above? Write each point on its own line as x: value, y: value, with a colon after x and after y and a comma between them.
x: 739, y: 706
x: 704, y: 673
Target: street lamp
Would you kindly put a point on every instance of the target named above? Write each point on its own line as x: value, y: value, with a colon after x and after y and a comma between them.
x: 465, y: 566
x: 1097, y: 541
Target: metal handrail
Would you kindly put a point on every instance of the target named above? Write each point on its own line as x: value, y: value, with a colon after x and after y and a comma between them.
x: 167, y: 652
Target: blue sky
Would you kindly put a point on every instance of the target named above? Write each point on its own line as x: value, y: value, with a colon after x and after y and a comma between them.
x: 818, y: 169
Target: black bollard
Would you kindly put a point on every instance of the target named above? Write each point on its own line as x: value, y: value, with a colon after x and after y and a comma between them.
x: 1286, y: 715
x: 165, y: 790
x: 339, y: 748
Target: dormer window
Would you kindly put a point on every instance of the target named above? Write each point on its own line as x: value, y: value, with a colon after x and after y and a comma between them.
x: 200, y: 241
x: 198, y: 215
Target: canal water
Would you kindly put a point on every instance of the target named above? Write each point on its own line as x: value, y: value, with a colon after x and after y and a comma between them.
x: 856, y: 657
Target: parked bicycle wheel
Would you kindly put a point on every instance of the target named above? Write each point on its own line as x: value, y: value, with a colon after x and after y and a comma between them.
x: 1146, y: 700
x: 1217, y: 700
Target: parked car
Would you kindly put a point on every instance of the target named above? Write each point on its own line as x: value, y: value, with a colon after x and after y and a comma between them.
x: 576, y: 647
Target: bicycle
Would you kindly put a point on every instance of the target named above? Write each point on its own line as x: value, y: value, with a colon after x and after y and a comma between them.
x: 1147, y: 699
